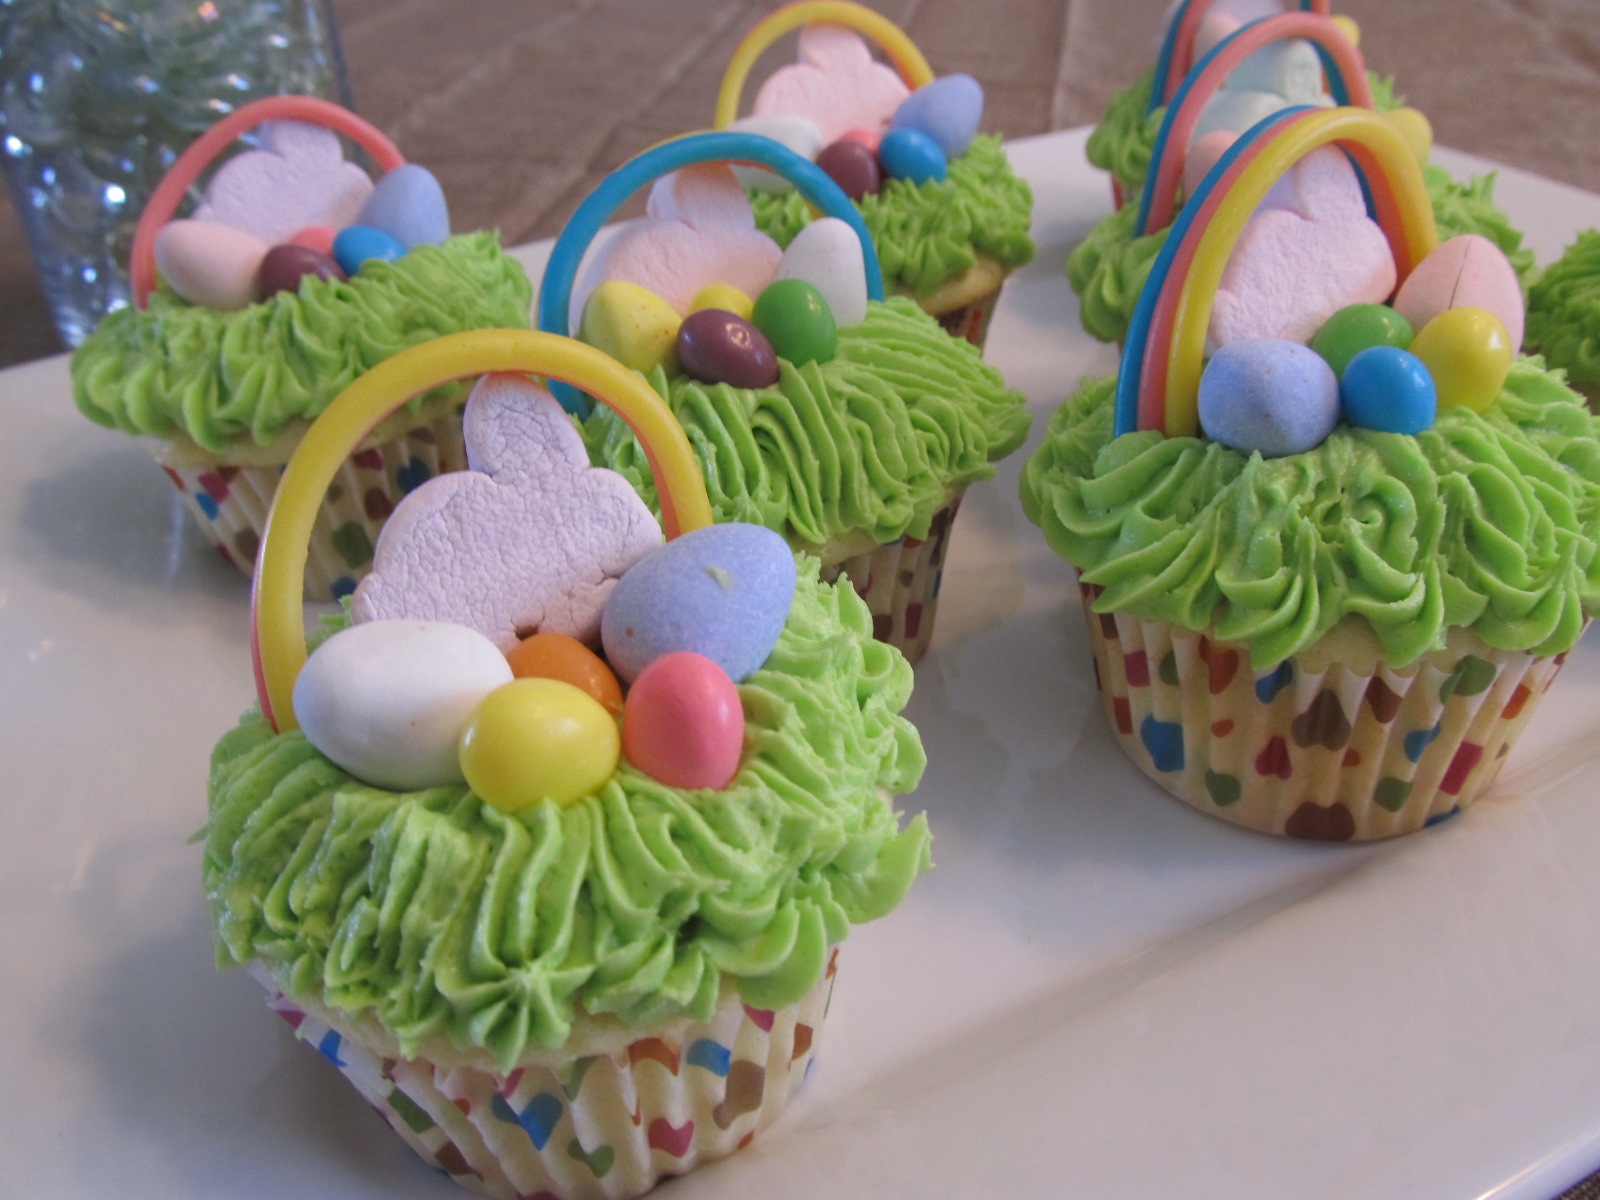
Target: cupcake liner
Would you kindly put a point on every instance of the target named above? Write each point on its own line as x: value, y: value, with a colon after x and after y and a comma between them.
x: 598, y: 1126
x: 230, y: 503
x: 970, y: 321
x: 1331, y: 754
x: 900, y: 583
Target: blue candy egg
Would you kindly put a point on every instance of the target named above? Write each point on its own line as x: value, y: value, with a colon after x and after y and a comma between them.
x: 907, y: 154
x: 409, y: 205
x: 1268, y: 395
x: 1390, y: 390
x: 947, y: 110
x: 355, y: 244
x: 723, y: 591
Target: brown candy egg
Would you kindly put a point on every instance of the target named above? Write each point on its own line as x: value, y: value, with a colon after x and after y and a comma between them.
x: 717, y: 346
x: 284, y: 266
x: 853, y: 166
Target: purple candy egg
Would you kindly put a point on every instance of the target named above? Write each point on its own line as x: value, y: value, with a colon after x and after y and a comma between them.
x: 285, y: 266
x: 853, y: 165
x: 717, y: 346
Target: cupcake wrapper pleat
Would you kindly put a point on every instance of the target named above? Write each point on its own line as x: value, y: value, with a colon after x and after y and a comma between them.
x: 970, y: 321
x: 601, y: 1127
x: 230, y: 503
x: 1331, y: 755
x: 900, y: 583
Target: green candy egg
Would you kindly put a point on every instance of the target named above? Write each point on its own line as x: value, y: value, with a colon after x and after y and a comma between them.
x: 797, y: 321
x: 1358, y: 327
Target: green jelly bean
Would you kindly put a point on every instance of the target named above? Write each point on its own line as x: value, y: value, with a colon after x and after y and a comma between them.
x: 797, y: 321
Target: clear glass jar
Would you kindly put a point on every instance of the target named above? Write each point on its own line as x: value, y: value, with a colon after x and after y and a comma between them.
x: 98, y: 97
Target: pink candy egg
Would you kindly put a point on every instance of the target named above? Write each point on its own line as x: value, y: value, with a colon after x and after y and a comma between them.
x: 1466, y: 271
x: 315, y: 237
x: 683, y: 723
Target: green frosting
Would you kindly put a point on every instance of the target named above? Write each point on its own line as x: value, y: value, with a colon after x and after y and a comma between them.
x: 437, y: 914
x: 1126, y: 136
x: 874, y: 440
x: 1564, y: 311
x: 928, y: 233
x: 1486, y: 521
x: 1108, y: 268
x: 226, y: 377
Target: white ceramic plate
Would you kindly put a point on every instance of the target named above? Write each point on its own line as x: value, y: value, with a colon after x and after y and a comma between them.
x: 1097, y: 992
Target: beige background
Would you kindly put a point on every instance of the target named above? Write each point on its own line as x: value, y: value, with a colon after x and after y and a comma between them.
x: 519, y: 106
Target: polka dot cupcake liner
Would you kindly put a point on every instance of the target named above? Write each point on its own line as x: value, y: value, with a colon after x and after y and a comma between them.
x: 970, y: 321
x: 231, y: 503
x: 900, y: 583
x: 597, y: 1127
x: 1329, y: 754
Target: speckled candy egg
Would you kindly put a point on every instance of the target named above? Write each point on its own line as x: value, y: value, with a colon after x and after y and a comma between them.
x: 387, y: 700
x: 1275, y: 397
x: 723, y: 591
x: 684, y: 723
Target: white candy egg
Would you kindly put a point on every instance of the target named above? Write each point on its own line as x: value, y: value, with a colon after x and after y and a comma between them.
x: 387, y: 700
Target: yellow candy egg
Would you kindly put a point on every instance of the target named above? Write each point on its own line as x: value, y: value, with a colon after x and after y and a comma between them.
x: 724, y: 296
x: 1415, y: 129
x: 1468, y: 352
x: 538, y: 739
x: 1348, y: 27
x: 632, y: 324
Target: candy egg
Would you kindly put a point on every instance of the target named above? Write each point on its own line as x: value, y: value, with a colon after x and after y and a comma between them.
x: 827, y: 255
x: 685, y: 724
x: 1390, y: 390
x: 209, y: 263
x: 797, y: 321
x: 1414, y: 128
x: 285, y: 266
x: 867, y: 137
x: 551, y: 655
x: 912, y: 156
x: 724, y: 296
x: 409, y: 205
x: 387, y: 700
x: 1356, y: 327
x: 947, y: 111
x: 632, y: 324
x: 538, y: 739
x: 1468, y: 271
x: 1468, y: 352
x: 356, y: 244
x: 796, y: 131
x: 722, y: 591
x: 853, y: 166
x: 315, y: 237
x: 717, y: 346
x: 1274, y: 397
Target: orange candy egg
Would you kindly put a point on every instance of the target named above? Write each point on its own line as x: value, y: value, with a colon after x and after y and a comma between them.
x: 557, y: 656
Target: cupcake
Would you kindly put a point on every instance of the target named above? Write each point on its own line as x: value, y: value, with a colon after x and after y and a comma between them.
x: 1326, y: 584
x: 294, y: 275
x: 948, y: 215
x: 1242, y: 74
x: 849, y: 423
x: 558, y: 959
x: 1564, y: 314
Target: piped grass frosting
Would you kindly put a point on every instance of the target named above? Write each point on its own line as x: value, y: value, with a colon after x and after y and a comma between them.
x: 929, y: 233
x: 226, y: 378
x: 874, y: 441
x: 1564, y: 311
x: 1108, y: 268
x: 1488, y: 522
x: 443, y: 917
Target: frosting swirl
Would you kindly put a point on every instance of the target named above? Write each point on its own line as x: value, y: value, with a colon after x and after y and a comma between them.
x: 440, y: 915
x: 929, y: 233
x: 226, y: 377
x: 1564, y: 311
x: 1486, y: 521
x: 874, y: 440
x: 1109, y: 267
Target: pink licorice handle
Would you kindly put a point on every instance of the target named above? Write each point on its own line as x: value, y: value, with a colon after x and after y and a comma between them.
x: 186, y: 171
